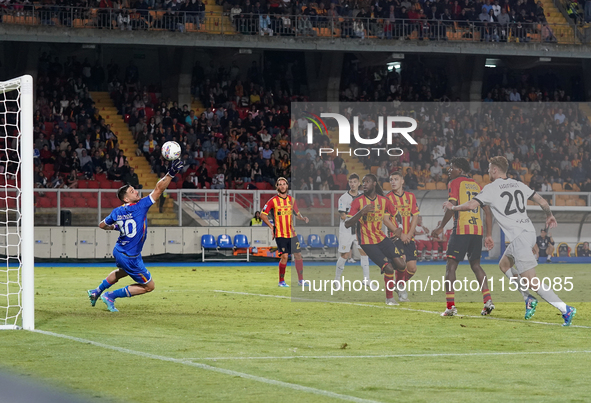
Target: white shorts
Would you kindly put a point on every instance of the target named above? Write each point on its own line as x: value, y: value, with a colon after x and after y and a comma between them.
x: 521, y: 251
x: 346, y: 240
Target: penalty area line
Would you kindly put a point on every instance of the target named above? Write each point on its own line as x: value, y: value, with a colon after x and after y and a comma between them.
x: 206, y: 367
x: 488, y: 317
x: 433, y: 355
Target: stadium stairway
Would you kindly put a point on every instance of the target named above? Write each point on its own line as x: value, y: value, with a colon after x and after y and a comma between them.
x: 197, y: 106
x: 554, y: 16
x: 214, y: 14
x: 109, y: 112
x: 585, y: 108
x: 353, y: 163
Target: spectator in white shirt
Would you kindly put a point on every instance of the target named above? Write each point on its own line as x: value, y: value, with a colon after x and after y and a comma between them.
x: 436, y: 171
x: 559, y: 116
x: 514, y: 96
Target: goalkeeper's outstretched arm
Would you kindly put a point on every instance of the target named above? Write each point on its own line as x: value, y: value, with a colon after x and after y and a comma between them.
x: 163, y: 183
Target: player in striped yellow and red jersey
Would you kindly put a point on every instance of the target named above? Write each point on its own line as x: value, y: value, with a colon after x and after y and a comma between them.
x: 369, y: 212
x: 466, y: 237
x: 406, y: 204
x: 284, y: 207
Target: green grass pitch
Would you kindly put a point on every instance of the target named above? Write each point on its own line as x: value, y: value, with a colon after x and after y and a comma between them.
x: 187, y: 342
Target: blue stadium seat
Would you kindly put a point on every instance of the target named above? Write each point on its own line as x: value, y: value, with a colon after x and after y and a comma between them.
x: 241, y: 241
x: 314, y: 241
x: 225, y: 242
x: 208, y: 242
x: 303, y: 244
x: 330, y: 240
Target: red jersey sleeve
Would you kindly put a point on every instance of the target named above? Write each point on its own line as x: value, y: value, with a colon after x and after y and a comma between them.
x: 295, y: 207
x: 414, y: 209
x: 454, y: 190
x: 354, y: 208
x: 269, y: 206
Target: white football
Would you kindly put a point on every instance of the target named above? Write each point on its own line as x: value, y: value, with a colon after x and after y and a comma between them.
x: 171, y: 150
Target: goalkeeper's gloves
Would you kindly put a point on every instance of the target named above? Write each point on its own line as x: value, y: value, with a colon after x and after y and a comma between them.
x: 175, y: 167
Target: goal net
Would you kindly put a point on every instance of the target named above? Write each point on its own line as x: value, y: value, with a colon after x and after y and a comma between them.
x: 16, y: 204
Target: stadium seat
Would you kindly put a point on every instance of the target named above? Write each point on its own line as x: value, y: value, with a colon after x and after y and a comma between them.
x: 440, y: 186
x: 430, y: 186
x: 92, y: 202
x: 93, y: 185
x: 303, y: 244
x: 330, y: 240
x: 82, y: 184
x: 485, y: 178
x: 44, y: 202
x: 241, y: 241
x: 571, y: 202
x: 578, y: 249
x: 225, y: 242
x: 477, y: 178
x: 208, y: 242
x: 563, y: 250
x: 387, y: 186
x: 67, y: 202
x: 314, y: 242
x: 557, y: 187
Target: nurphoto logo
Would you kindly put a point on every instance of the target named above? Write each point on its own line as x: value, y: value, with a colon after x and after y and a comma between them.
x: 390, y: 130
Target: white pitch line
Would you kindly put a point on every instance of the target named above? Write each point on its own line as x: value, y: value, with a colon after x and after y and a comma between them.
x: 322, y: 357
x: 206, y: 367
x: 488, y: 317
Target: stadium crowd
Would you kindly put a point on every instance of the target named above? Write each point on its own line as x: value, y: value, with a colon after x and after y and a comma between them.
x: 494, y: 20
x: 244, y: 137
x: 72, y: 140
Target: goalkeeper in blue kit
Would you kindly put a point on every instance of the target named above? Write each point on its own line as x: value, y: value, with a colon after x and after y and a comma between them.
x: 131, y: 221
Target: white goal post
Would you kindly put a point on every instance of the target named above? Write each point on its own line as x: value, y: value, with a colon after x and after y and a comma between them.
x: 16, y: 192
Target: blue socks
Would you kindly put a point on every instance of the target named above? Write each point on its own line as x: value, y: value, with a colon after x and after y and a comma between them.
x: 120, y: 293
x: 103, y: 286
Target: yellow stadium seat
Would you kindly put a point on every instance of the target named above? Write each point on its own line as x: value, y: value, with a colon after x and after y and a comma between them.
x: 557, y: 187
x: 430, y: 186
x: 477, y: 178
x: 571, y: 202
x: 387, y: 186
x: 560, y: 202
x: 531, y: 203
x: 581, y: 202
x: 440, y: 186
x: 528, y: 178
x: 485, y: 178
x: 374, y: 170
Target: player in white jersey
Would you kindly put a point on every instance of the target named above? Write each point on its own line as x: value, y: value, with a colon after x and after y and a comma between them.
x: 347, y: 236
x: 507, y: 199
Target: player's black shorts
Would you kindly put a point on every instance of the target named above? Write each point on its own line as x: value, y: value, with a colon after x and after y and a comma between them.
x: 287, y: 245
x: 460, y: 245
x: 408, y: 249
x: 542, y: 252
x: 382, y: 253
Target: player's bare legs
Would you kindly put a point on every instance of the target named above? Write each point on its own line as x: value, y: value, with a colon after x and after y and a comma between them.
x: 112, y: 278
x: 399, y: 265
x: 282, y: 266
x: 450, y: 277
x: 483, y: 281
x: 138, y: 289
x: 506, y: 265
x: 341, y: 266
x: 533, y: 282
x: 299, y: 265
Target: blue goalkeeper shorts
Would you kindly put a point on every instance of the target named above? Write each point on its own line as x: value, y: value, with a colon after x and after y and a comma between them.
x: 133, y: 266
